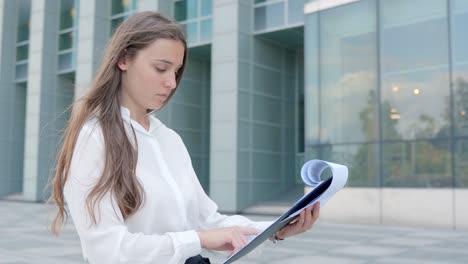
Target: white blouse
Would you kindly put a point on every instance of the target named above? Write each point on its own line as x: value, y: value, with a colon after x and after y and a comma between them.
x: 163, y: 230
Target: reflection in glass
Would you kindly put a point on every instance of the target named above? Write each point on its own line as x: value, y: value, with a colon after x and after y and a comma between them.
x: 115, y: 23
x: 361, y: 159
x: 24, y: 17
x: 66, y: 40
x: 191, y: 32
x: 122, y: 6
x: 269, y: 16
x: 205, y: 34
x: 65, y: 61
x: 348, y: 74
x: 23, y: 32
x: 67, y: 14
x: 417, y: 164
x: 22, y: 52
x: 206, y: 8
x: 415, y: 89
x: 461, y: 163
x: 460, y: 67
x: 21, y: 71
x: 186, y: 9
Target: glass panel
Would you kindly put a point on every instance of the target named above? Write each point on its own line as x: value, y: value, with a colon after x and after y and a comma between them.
x: 67, y: 14
x: 206, y: 7
x: 415, y: 79
x: 23, y: 33
x: 65, y: 61
x: 186, y: 9
x: 191, y: 32
x: 260, y: 1
x: 460, y: 67
x: 417, y: 164
x: 66, y: 40
x: 205, y: 30
x: 296, y: 11
x: 23, y: 20
x: 115, y: 23
x: 361, y: 159
x: 122, y: 6
x: 348, y: 74
x: 311, y: 90
x: 461, y: 163
x: 269, y: 16
x: 22, y: 52
x: 21, y: 72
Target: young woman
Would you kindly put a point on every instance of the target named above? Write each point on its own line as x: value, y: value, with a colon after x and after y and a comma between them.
x: 127, y: 179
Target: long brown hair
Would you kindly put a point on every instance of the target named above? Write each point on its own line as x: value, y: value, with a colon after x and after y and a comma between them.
x: 102, y: 101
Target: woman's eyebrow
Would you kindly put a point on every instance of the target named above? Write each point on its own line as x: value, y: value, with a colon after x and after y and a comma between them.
x: 168, y: 62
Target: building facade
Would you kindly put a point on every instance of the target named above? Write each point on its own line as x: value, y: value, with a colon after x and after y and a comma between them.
x: 377, y: 85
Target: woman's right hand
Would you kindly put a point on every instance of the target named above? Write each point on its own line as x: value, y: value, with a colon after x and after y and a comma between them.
x: 226, y: 238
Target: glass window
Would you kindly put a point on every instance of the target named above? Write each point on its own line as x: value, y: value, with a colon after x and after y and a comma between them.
x: 417, y: 164
x: 122, y: 6
x: 65, y: 61
x: 361, y: 159
x: 67, y: 14
x: 23, y: 32
x: 206, y: 8
x: 414, y: 66
x: 191, y: 32
x: 311, y: 90
x: 116, y: 22
x: 66, y: 40
x: 23, y: 21
x: 348, y: 74
x: 22, y: 52
x: 186, y: 9
x: 269, y: 16
x: 461, y: 163
x: 460, y: 65
x: 21, y: 71
x: 205, y: 30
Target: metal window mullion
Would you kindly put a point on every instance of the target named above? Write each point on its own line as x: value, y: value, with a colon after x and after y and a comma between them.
x: 70, y: 50
x: 22, y: 43
x: 268, y: 3
x: 452, y: 99
x: 379, y: 101
x: 21, y: 62
x: 286, y: 11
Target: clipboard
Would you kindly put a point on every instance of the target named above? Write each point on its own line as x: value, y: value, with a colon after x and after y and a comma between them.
x: 323, y: 192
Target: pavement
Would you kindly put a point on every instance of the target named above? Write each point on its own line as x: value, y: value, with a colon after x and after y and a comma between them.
x: 24, y: 238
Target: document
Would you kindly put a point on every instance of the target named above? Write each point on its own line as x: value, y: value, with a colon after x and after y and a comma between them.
x: 324, y: 190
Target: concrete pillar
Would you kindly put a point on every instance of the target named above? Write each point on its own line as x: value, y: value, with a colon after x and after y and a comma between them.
x: 41, y: 111
x: 93, y: 35
x: 10, y: 155
x: 224, y: 103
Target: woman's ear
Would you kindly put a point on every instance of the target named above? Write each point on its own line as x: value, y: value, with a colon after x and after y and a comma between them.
x: 123, y: 63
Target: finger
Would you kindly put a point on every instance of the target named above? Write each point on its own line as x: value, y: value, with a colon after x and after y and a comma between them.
x: 294, y: 220
x: 249, y: 231
x: 301, y: 220
x: 238, y: 242
x: 308, y: 219
x: 316, y: 211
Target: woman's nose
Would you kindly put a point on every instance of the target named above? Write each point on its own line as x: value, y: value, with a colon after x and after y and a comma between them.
x: 171, y: 82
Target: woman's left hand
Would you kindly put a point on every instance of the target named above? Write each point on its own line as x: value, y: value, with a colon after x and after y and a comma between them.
x: 304, y: 222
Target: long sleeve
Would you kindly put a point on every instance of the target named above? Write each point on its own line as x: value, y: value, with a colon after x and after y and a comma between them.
x: 109, y: 241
